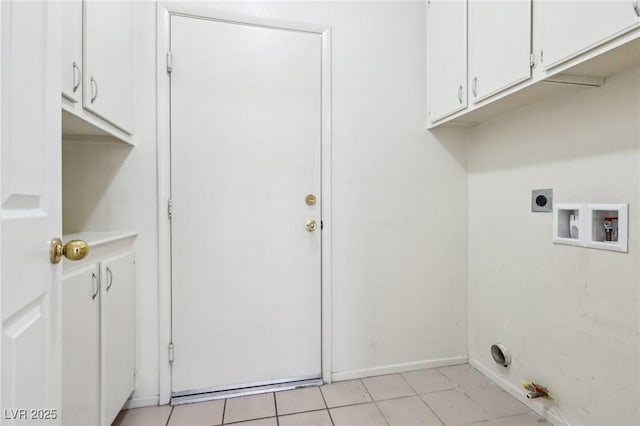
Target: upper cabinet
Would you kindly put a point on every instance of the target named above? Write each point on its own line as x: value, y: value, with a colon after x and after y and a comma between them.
x: 571, y: 28
x: 446, y: 62
x: 518, y: 50
x: 98, y: 69
x: 499, y: 46
x: 72, y: 50
x: 108, y: 61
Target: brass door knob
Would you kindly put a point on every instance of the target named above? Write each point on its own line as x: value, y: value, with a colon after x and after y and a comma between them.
x: 73, y: 250
x: 311, y: 225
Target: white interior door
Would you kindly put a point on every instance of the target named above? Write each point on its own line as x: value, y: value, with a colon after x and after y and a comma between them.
x: 245, y: 152
x: 30, y: 212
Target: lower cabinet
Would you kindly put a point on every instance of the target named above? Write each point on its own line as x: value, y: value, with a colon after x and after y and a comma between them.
x: 81, y: 347
x: 117, y: 333
x: 98, y: 337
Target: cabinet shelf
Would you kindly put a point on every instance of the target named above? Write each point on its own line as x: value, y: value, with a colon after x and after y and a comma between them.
x: 100, y: 244
x: 89, y: 128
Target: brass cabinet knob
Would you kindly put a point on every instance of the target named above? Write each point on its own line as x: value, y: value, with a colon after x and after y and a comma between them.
x: 311, y: 225
x: 73, y: 250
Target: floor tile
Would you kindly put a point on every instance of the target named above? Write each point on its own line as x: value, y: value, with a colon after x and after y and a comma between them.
x: 495, y: 401
x: 529, y: 419
x: 410, y: 411
x: 345, y: 393
x: 465, y: 375
x: 454, y: 408
x: 271, y: 421
x: 310, y: 418
x: 426, y: 381
x: 145, y: 416
x: 198, y: 414
x: 387, y: 387
x: 299, y: 400
x: 357, y: 415
x: 249, y: 407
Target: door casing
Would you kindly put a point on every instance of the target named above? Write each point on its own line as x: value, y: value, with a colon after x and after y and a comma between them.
x: 164, y: 12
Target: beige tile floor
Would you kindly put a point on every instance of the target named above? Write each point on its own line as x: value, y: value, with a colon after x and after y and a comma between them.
x: 456, y: 395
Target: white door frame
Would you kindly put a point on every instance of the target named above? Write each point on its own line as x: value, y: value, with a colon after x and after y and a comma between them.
x: 164, y: 12
x: 1, y: 331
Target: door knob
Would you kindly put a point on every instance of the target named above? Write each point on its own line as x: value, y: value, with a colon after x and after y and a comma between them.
x: 311, y: 225
x: 73, y: 250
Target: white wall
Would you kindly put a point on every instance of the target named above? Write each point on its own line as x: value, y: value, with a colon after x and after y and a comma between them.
x: 568, y: 314
x: 399, y: 193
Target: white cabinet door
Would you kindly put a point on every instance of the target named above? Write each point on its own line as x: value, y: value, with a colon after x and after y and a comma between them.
x: 72, y: 50
x: 570, y: 28
x: 81, y: 347
x: 109, y: 61
x: 499, y: 45
x: 118, y: 325
x: 446, y: 58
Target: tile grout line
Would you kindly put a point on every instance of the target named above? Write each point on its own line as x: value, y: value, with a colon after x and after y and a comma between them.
x: 275, y: 407
x: 224, y: 410
x: 251, y: 420
x: 326, y: 406
x: 381, y: 413
x: 375, y: 403
x: 169, y: 417
x: 431, y: 409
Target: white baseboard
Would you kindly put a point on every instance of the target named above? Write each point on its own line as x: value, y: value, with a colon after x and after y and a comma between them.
x: 141, y: 401
x: 539, y: 406
x: 397, y: 368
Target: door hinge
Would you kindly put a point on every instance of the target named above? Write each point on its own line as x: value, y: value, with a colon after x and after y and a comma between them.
x: 170, y: 208
x: 169, y: 62
x: 541, y: 56
x: 171, y: 353
x: 532, y: 60
x: 321, y: 225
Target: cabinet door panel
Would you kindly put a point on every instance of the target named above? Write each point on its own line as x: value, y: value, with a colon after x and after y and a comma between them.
x: 499, y: 46
x: 118, y: 333
x: 72, y: 49
x: 81, y: 347
x: 570, y: 28
x: 446, y: 57
x: 109, y: 61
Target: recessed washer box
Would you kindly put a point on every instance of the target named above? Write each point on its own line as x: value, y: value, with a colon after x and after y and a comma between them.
x: 598, y: 226
x: 568, y: 224
x: 608, y: 226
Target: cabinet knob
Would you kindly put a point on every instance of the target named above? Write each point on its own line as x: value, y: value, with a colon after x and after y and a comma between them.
x: 73, y: 250
x: 460, y: 94
x: 636, y: 7
x: 474, y: 86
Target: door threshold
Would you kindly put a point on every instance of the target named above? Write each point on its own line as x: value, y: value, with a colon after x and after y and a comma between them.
x: 181, y: 398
